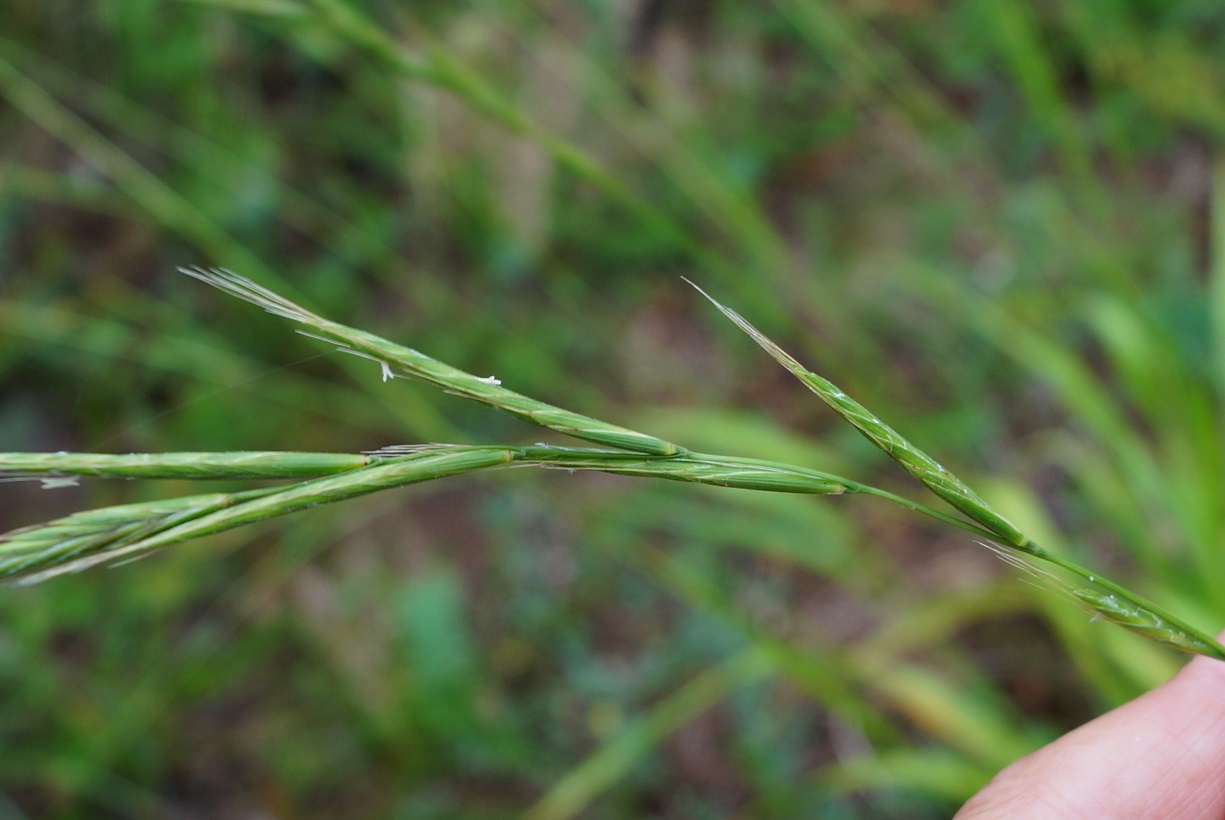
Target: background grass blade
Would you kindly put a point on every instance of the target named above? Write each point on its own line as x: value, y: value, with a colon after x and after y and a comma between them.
x: 570, y: 795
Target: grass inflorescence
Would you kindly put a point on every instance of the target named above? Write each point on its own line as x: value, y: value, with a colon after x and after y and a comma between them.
x: 124, y: 532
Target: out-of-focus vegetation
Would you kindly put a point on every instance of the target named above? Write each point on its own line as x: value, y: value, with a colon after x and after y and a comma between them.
x: 994, y: 220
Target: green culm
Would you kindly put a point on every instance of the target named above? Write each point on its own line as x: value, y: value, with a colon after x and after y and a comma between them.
x: 122, y: 532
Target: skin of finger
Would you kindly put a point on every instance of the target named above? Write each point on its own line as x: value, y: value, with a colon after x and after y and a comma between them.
x: 1162, y: 755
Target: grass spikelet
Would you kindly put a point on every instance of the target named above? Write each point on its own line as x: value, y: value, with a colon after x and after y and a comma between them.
x: 698, y: 468
x: 1115, y: 603
x: 235, y: 465
x: 405, y: 362
x: 1144, y: 621
x: 37, y: 551
x: 103, y: 536
x: 920, y: 465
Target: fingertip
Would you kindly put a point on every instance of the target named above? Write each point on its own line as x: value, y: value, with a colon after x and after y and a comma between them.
x: 1160, y: 755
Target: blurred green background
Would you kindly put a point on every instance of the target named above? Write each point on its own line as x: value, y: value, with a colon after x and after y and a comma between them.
x: 991, y: 222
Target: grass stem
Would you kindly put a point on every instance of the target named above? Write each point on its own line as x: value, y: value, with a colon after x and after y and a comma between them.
x: 122, y: 532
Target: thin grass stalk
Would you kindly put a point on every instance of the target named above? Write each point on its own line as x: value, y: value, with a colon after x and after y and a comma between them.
x: 103, y: 533
x: 441, y: 68
x: 159, y: 200
x: 729, y: 471
x: 580, y: 786
x: 102, y: 536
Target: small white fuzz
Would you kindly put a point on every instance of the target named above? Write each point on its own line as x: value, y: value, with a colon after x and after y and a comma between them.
x: 384, y: 367
x: 489, y: 379
x: 56, y: 482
